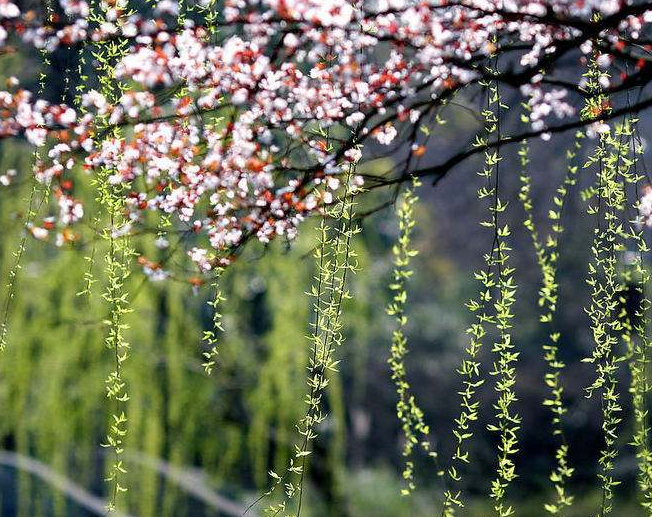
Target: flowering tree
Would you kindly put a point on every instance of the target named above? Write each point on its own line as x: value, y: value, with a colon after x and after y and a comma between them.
x: 203, y: 125
x: 273, y: 99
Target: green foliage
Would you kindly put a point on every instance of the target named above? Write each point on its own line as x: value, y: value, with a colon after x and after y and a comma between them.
x: 335, y: 261
x: 610, y: 237
x: 117, y: 268
x: 211, y: 335
x: 637, y: 339
x: 493, y: 312
x: 411, y: 416
x: 547, y: 255
x: 504, y: 368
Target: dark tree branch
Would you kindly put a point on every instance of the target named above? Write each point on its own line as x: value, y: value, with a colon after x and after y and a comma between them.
x: 441, y: 170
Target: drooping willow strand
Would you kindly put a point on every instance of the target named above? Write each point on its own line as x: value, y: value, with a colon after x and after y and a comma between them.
x: 634, y: 304
x: 210, y: 337
x: 639, y: 343
x: 492, y: 311
x: 410, y: 415
x: 117, y: 269
x: 546, y: 252
x: 607, y: 202
x: 335, y: 261
x: 327, y: 336
x: 638, y: 354
x: 507, y: 422
x: 33, y: 207
x: 471, y: 375
x: 37, y: 198
x: 91, y: 256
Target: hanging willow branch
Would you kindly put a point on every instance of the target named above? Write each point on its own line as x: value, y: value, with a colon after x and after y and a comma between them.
x: 335, y: 260
x: 210, y: 337
x: 638, y: 352
x: 33, y: 208
x: 608, y: 323
x: 547, y: 255
x: 410, y: 415
x: 117, y: 269
x: 492, y: 309
x: 639, y: 344
x: 504, y: 367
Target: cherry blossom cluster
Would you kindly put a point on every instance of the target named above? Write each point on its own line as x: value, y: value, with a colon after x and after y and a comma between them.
x: 22, y: 115
x: 271, y: 99
x: 645, y: 207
